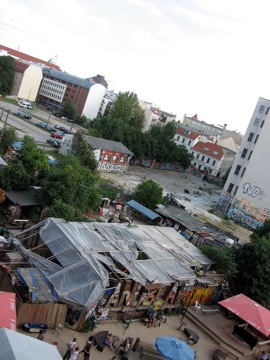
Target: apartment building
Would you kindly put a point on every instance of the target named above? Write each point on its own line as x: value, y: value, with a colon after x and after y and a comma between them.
x: 155, y: 116
x: 246, y: 194
x: 202, y: 126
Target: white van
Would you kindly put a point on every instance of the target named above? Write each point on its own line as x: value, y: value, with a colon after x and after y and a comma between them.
x: 25, y: 104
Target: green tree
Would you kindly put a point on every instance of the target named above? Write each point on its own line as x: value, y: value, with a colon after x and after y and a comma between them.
x: 33, y: 158
x: 9, y: 137
x: 59, y: 209
x: 149, y: 194
x: 14, y: 177
x: 7, y: 72
x: 128, y: 109
x: 86, y: 155
x: 69, y: 110
x: 224, y: 259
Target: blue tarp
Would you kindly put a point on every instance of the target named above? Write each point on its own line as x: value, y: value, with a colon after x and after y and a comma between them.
x: 149, y: 214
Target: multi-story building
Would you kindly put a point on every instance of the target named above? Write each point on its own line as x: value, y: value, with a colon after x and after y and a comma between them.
x: 187, y: 137
x: 58, y: 86
x: 155, y: 116
x: 202, y: 126
x: 246, y: 194
x: 108, y: 100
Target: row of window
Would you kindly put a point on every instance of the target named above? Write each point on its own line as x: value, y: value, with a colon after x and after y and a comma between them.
x: 54, y: 84
x: 49, y: 88
x: 203, y: 158
x: 49, y: 94
x: 230, y: 189
x: 205, y: 168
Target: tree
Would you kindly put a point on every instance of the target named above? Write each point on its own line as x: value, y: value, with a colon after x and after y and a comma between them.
x: 7, y: 72
x: 59, y: 209
x: 14, y: 177
x: 86, y: 155
x: 69, y: 110
x: 149, y: 194
x: 33, y: 158
x: 9, y: 137
x: 254, y: 270
x: 224, y: 259
x: 128, y: 109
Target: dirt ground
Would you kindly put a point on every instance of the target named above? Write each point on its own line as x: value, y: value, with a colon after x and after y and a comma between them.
x: 196, y: 195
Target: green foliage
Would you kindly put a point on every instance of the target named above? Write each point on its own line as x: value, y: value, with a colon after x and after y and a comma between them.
x: 72, y: 183
x: 262, y: 230
x: 86, y: 155
x: 9, y: 137
x: 7, y: 72
x: 82, y: 121
x: 15, y: 177
x: 254, y: 264
x: 33, y: 158
x: 128, y: 109
x: 149, y: 194
x: 69, y: 110
x: 59, y: 209
x: 224, y: 259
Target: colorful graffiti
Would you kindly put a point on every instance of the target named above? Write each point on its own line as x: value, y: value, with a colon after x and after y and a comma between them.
x: 250, y: 209
x: 224, y: 202
x: 244, y: 220
x: 113, y: 161
x: 202, y: 294
x: 253, y: 191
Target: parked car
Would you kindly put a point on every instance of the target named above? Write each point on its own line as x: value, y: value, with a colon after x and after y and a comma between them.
x: 54, y: 142
x: 57, y: 114
x: 42, y: 124
x: 23, y: 115
x: 56, y: 135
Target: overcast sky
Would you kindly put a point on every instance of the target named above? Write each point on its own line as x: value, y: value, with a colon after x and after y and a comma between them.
x: 210, y: 57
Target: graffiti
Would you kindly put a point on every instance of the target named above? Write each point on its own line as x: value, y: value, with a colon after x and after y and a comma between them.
x: 111, y: 167
x: 253, y: 191
x: 244, y: 220
x: 224, y: 202
x: 250, y: 209
x: 201, y: 294
x: 146, y: 163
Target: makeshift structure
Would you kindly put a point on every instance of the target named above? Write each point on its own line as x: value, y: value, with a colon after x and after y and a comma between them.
x: 16, y: 346
x: 250, y: 311
x: 142, y: 210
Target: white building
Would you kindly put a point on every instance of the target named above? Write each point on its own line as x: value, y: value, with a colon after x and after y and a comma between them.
x: 155, y: 116
x: 108, y: 100
x: 246, y: 194
x: 203, y: 127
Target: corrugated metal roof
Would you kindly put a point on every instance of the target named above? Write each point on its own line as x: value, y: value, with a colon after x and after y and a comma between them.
x: 104, y: 144
x: 85, y: 83
x: 149, y: 214
x: 23, y: 198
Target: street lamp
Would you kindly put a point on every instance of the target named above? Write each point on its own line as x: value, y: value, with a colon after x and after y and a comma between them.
x: 50, y: 113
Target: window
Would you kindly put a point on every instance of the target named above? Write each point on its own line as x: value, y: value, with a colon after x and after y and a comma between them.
x: 267, y: 110
x: 237, y: 170
x: 203, y: 157
x: 214, y: 162
x: 250, y: 154
x: 192, y: 153
x: 189, y: 142
x: 235, y: 191
x: 183, y: 140
x: 250, y: 137
x: 261, y: 109
x: 198, y: 155
x: 199, y: 168
x: 178, y: 137
x: 243, y: 172
x: 230, y: 187
x: 256, y: 139
x: 244, y: 153
x: 262, y: 123
x: 256, y: 122
x: 208, y: 160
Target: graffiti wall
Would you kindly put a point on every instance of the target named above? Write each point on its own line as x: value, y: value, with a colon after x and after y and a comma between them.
x: 224, y: 202
x: 113, y: 161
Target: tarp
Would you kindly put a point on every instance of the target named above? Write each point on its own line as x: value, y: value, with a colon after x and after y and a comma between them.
x: 23, y: 198
x: 82, y: 253
x: 149, y: 214
x: 7, y: 310
x: 16, y: 346
x: 250, y: 311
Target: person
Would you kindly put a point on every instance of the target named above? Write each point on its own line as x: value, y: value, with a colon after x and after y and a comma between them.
x: 3, y: 231
x: 41, y: 335
x: 74, y: 353
x: 70, y: 347
x: 86, y: 352
x: 109, y: 340
x: 89, y: 341
x: 124, y: 347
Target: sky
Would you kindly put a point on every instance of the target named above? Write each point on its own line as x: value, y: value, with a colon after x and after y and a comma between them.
x: 210, y: 57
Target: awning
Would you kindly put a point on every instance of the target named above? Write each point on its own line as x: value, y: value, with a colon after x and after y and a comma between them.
x: 149, y: 214
x: 7, y: 310
x: 23, y: 198
x: 248, y: 310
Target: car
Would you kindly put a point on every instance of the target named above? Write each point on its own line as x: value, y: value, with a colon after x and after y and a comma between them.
x: 57, y: 114
x: 56, y: 135
x: 57, y: 127
x: 23, y: 115
x: 63, y: 118
x: 42, y: 124
x: 53, y: 142
x: 50, y: 127
x: 29, y: 107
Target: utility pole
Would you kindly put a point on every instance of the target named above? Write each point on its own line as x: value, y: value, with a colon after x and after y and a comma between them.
x: 49, y: 117
x: 73, y: 123
x: 5, y: 125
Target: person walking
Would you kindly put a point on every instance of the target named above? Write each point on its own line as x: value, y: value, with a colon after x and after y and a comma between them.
x: 75, y: 353
x: 70, y: 347
x: 86, y: 352
x: 41, y: 335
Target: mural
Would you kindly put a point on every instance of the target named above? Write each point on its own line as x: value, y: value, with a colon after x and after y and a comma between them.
x: 244, y: 220
x: 224, y: 202
x: 113, y: 161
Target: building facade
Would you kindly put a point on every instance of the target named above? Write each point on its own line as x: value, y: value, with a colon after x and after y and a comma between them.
x: 246, y: 194
x: 202, y: 126
x: 155, y: 116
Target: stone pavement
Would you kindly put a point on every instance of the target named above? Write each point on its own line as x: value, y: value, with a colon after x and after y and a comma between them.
x: 212, y: 330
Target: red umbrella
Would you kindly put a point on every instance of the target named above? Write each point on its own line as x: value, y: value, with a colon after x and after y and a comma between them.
x: 248, y: 310
x: 7, y: 310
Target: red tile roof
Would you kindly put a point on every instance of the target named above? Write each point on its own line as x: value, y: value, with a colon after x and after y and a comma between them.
x: 190, y: 135
x: 213, y: 150
x: 21, y: 66
x: 23, y: 56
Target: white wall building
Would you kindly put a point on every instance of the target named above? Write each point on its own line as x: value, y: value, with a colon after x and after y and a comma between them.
x: 155, y: 116
x: 246, y: 194
x: 109, y: 98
